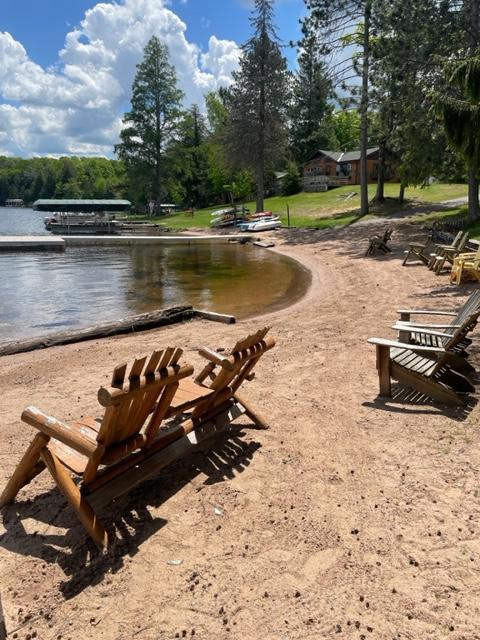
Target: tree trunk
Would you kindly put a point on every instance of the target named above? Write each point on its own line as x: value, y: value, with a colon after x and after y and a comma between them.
x: 401, y: 194
x: 260, y: 187
x: 260, y: 164
x: 473, y: 204
x: 364, y: 113
x: 380, y: 194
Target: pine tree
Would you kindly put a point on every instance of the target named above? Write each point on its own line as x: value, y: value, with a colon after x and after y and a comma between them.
x: 310, y: 104
x: 258, y: 101
x: 411, y: 37
x: 152, y: 122
x: 331, y: 20
x: 191, y: 157
x: 460, y: 109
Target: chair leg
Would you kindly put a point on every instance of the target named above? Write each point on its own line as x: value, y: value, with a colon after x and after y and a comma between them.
x: 251, y: 413
x: 383, y: 368
x: 26, y: 469
x: 78, y: 502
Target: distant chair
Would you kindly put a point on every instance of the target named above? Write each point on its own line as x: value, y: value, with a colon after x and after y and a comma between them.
x: 421, y: 251
x: 445, y: 254
x: 465, y: 264
x: 379, y: 243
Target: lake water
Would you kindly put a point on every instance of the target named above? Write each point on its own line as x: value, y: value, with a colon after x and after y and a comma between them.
x: 42, y: 292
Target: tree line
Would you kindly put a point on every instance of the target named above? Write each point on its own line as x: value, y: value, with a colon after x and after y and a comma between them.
x: 68, y: 177
x: 402, y: 75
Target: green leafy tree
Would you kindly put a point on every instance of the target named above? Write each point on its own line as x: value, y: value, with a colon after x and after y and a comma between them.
x: 346, y: 127
x: 291, y: 182
x: 256, y: 133
x: 152, y: 123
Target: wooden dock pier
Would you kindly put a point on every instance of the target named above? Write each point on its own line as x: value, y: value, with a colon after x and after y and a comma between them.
x: 59, y: 243
x: 31, y: 243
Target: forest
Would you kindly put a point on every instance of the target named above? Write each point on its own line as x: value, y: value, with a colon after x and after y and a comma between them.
x: 369, y: 73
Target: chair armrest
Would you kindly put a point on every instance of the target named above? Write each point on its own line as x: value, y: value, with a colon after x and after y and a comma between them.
x: 59, y: 430
x: 413, y: 325
x: 430, y: 312
x: 217, y: 358
x: 428, y: 332
x: 382, y: 342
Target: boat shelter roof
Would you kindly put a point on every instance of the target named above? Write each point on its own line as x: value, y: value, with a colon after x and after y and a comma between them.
x: 82, y: 205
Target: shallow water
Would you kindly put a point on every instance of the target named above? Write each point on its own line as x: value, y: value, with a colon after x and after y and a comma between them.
x: 43, y: 292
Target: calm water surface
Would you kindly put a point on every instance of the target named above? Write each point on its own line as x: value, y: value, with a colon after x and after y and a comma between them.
x: 41, y: 292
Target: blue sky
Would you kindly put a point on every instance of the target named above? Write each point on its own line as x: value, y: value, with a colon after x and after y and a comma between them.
x: 41, y: 25
x: 67, y: 66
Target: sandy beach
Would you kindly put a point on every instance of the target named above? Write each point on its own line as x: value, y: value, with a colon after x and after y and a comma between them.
x: 352, y: 517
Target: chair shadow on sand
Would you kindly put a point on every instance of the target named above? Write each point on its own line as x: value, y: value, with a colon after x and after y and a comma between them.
x: 129, y: 521
x: 409, y: 401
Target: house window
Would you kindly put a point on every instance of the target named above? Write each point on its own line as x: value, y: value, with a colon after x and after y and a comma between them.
x: 344, y: 170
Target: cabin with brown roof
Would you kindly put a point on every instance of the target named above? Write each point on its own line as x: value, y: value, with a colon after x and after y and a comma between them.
x: 337, y: 168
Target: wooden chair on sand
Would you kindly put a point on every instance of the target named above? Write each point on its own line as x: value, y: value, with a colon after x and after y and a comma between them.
x: 408, y: 332
x: 465, y: 264
x: 437, y: 371
x: 222, y: 376
x: 379, y: 243
x: 446, y: 254
x: 426, y: 251
x: 134, y: 438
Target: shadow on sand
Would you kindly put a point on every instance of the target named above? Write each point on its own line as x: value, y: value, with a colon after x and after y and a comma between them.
x: 128, y: 519
x: 409, y: 401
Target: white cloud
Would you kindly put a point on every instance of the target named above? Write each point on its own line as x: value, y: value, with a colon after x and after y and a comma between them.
x: 76, y: 106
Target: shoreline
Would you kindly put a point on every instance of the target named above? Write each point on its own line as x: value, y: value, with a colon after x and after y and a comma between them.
x: 135, y: 322
x: 338, y: 505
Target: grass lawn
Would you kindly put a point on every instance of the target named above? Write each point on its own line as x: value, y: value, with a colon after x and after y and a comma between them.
x: 321, y: 210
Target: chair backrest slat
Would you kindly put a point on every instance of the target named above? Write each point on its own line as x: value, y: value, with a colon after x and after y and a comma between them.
x: 118, y: 377
x: 135, y: 392
x: 242, y: 359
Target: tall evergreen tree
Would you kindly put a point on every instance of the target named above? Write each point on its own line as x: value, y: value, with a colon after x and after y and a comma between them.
x: 310, y: 103
x: 332, y: 20
x: 152, y: 121
x: 411, y: 37
x: 466, y: 22
x: 191, y: 157
x: 460, y: 108
x: 256, y: 131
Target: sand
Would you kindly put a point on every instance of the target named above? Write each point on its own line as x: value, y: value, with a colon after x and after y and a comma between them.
x: 351, y: 517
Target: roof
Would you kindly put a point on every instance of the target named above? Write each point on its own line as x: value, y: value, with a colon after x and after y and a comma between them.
x: 121, y: 203
x: 344, y: 156
x: 82, y: 205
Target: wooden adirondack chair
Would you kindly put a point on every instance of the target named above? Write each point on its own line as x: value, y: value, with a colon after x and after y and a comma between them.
x: 424, y: 369
x: 468, y: 309
x: 437, y: 371
x: 421, y: 251
x: 222, y: 376
x: 440, y: 247
x: 445, y: 255
x: 465, y: 264
x: 379, y: 243
x: 100, y: 451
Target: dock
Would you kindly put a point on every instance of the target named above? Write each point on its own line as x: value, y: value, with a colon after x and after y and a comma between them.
x: 59, y: 243
x: 31, y: 243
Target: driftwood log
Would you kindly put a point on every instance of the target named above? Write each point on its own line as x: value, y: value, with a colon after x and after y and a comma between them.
x: 132, y: 324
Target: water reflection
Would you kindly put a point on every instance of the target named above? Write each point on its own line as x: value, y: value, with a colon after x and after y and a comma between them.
x: 45, y: 292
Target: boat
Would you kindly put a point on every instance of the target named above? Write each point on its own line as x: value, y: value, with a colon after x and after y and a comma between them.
x: 97, y: 223
x: 264, y: 224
